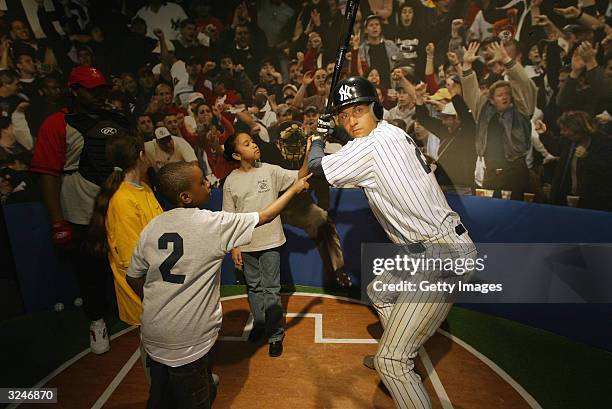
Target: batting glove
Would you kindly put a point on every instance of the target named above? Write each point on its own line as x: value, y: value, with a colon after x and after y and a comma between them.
x: 61, y: 233
x: 325, y: 126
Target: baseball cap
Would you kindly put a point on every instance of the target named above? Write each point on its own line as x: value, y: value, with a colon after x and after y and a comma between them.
x: 194, y: 97
x: 162, y: 132
x: 311, y: 109
x: 449, y: 109
x: 441, y: 94
x: 290, y: 86
x: 370, y: 18
x: 87, y: 77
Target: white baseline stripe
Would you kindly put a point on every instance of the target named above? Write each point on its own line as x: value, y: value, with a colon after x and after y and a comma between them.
x: 435, y: 380
x: 318, y: 336
x: 115, y: 382
x: 519, y: 389
x: 71, y: 361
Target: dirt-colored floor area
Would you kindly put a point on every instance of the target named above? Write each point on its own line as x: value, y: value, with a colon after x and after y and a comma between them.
x: 309, y: 374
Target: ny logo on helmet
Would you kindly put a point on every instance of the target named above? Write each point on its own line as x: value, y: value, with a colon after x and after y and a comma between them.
x: 345, y: 92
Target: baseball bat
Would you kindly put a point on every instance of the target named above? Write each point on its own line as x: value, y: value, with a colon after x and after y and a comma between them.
x: 350, y: 12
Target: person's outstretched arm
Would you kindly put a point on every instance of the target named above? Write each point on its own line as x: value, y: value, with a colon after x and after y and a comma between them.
x: 269, y: 213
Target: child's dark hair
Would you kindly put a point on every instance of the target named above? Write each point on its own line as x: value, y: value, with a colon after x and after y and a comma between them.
x: 174, y: 179
x: 229, y: 147
x: 122, y: 151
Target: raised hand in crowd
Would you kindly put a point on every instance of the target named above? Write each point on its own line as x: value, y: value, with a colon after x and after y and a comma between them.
x: 419, y: 93
x: 314, y: 22
x: 315, y: 16
x: 456, y: 25
x: 217, y: 110
x: 470, y: 55
x: 397, y: 74
x: 540, y: 127
x: 155, y: 104
x: 578, y: 64
x: 543, y: 20
x: 277, y: 75
x: 212, y: 140
x: 454, y: 61
x: 208, y: 67
x: 430, y: 50
x: 568, y: 12
x: 588, y: 54
x: 241, y: 15
x: 499, y: 53
x: 308, y: 78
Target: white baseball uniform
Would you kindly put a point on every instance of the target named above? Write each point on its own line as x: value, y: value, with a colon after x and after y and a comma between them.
x: 408, y: 203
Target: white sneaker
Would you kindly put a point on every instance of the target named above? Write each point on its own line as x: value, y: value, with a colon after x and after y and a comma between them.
x: 98, y: 337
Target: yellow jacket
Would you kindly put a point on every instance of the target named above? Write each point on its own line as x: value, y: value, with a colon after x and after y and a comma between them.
x: 129, y: 211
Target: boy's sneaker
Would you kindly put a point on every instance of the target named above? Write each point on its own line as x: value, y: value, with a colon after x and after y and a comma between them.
x: 98, y: 337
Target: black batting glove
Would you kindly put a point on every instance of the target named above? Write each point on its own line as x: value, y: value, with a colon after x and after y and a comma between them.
x: 325, y: 126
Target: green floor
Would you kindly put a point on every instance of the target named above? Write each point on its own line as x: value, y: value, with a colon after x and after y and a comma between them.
x: 557, y: 372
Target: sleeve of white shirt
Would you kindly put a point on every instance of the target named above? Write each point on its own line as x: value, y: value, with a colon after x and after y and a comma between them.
x: 283, y: 178
x: 186, y: 150
x: 351, y: 165
x: 228, y: 200
x: 138, y: 265
x: 236, y: 229
x: 179, y: 74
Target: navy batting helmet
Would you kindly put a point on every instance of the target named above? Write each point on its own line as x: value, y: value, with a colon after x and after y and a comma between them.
x: 354, y: 90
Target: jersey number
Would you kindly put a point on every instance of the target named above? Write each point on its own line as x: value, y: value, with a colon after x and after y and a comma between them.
x: 419, y: 155
x: 177, y: 252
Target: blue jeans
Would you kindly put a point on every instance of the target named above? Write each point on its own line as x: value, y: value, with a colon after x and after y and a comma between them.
x: 262, y: 276
x: 188, y: 386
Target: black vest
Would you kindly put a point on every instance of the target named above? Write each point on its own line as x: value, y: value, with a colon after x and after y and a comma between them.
x: 96, y: 128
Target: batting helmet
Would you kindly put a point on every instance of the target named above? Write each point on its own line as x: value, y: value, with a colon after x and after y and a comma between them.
x: 353, y: 90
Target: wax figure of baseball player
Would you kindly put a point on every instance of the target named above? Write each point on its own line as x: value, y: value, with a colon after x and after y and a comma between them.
x: 409, y: 205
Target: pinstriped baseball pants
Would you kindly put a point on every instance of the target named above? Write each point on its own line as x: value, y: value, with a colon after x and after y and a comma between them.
x: 410, y: 321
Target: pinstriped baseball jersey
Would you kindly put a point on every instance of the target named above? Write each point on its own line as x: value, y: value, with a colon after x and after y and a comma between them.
x: 401, y: 188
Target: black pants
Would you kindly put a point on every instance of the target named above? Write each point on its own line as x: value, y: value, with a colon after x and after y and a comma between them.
x: 514, y: 176
x: 184, y: 387
x: 93, y: 273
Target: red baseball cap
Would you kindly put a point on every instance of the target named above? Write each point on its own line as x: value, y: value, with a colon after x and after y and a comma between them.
x: 86, y: 76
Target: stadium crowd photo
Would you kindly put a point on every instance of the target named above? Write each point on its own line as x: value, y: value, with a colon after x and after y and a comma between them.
x: 191, y: 191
